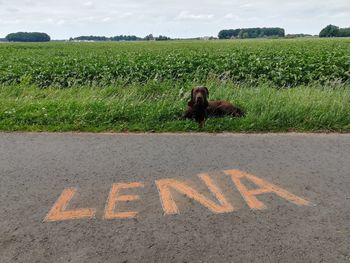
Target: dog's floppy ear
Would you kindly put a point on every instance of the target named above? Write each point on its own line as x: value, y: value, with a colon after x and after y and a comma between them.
x: 191, y: 102
x: 192, y: 91
x: 206, y: 89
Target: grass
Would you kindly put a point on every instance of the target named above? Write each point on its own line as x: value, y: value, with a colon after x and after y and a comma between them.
x: 157, y: 107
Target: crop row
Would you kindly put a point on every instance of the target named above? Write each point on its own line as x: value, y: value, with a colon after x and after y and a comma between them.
x: 281, y: 62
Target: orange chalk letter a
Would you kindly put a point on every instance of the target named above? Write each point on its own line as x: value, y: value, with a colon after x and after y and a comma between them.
x: 265, y: 187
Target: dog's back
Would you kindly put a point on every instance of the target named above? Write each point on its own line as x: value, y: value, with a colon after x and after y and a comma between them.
x: 222, y: 108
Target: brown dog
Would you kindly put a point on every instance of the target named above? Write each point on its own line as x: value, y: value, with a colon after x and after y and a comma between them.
x: 199, y: 108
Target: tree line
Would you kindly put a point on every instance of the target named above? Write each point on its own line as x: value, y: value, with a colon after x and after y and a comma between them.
x: 43, y: 37
x: 28, y: 37
x: 242, y: 33
x: 335, y: 31
x: 256, y: 32
x: 120, y: 38
x: 103, y: 38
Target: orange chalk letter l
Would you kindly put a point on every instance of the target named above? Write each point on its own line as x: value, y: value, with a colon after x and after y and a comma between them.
x: 59, y: 213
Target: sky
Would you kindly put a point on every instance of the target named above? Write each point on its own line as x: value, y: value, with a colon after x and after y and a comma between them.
x: 174, y: 18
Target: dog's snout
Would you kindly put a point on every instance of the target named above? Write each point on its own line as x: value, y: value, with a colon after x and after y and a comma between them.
x: 199, y: 97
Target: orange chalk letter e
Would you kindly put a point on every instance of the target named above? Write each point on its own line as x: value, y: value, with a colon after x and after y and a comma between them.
x: 114, y: 198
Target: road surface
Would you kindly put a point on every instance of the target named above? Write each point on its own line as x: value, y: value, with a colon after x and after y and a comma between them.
x: 174, y: 198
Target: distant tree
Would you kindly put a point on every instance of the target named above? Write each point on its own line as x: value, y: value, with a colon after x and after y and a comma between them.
x: 162, y: 38
x: 334, y: 31
x: 344, y: 32
x: 297, y: 35
x: 28, y: 37
x: 91, y: 38
x: 103, y: 38
x: 149, y: 37
x: 329, y: 31
x: 251, y: 33
x: 125, y: 38
x: 228, y: 33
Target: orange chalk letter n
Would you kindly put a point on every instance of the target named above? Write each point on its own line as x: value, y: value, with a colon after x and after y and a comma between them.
x: 170, y: 207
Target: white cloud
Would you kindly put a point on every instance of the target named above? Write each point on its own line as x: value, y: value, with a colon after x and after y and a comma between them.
x: 106, y: 19
x: 60, y: 22
x: 185, y: 15
x: 10, y: 22
x: 229, y: 16
x: 12, y: 10
x: 246, y: 5
x: 126, y: 14
x: 84, y: 19
x: 30, y: 3
x: 88, y: 4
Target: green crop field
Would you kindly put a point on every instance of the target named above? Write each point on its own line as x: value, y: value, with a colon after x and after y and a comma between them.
x: 282, y: 62
x: 283, y: 85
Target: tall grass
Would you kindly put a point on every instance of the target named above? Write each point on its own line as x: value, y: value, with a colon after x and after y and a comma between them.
x: 158, y: 107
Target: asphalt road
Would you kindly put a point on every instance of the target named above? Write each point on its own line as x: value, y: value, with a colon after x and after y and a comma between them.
x: 138, y: 198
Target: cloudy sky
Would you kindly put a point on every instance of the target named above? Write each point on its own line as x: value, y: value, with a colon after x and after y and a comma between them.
x: 174, y: 18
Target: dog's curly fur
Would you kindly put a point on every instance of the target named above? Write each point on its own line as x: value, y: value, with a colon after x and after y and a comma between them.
x: 199, y: 108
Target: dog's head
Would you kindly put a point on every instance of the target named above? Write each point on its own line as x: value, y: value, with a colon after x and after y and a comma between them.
x: 199, y: 96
